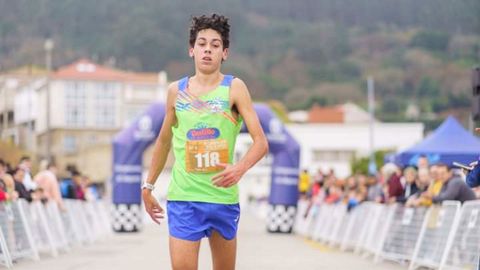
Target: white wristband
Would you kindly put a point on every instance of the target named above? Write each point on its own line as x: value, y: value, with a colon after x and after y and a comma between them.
x: 148, y: 186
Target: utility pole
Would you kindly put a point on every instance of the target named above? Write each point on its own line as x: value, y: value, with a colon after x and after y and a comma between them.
x: 5, y: 111
x: 372, y: 166
x: 48, y: 64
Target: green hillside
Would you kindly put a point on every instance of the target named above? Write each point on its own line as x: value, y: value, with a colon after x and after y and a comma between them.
x: 296, y: 51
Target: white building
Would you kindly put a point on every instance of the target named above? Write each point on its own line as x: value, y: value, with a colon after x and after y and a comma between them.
x: 11, y: 83
x: 88, y: 105
x: 325, y: 146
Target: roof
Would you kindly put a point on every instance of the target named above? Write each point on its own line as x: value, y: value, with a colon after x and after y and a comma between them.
x: 344, y: 113
x: 85, y: 69
x: 319, y: 114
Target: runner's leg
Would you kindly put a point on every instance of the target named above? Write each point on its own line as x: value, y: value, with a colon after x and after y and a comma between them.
x: 223, y: 251
x: 184, y: 254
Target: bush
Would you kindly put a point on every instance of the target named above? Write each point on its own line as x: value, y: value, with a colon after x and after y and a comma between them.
x: 431, y: 40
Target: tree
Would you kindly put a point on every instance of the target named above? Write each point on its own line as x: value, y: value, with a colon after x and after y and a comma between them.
x: 431, y: 40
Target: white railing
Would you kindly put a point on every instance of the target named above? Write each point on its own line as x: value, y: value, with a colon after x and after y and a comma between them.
x: 32, y: 230
x: 463, y: 250
x: 446, y: 236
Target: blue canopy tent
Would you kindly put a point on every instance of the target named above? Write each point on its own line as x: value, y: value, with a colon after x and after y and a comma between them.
x: 448, y: 143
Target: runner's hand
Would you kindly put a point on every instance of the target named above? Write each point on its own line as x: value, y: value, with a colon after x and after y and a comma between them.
x: 230, y: 176
x: 152, y: 207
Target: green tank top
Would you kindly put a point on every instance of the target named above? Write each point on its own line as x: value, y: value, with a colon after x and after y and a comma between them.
x: 204, y: 135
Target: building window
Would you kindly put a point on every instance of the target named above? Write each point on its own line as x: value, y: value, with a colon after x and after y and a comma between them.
x: 70, y: 144
x: 105, y: 100
x: 75, y: 102
x: 92, y: 139
x: 333, y: 155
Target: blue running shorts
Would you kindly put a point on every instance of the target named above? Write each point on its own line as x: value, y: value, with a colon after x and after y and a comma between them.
x: 194, y: 220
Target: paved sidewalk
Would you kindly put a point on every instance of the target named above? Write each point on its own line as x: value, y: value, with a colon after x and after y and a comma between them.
x: 257, y: 250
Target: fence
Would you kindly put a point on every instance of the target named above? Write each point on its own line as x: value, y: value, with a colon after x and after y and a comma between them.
x: 31, y: 230
x: 463, y: 251
x: 439, y: 237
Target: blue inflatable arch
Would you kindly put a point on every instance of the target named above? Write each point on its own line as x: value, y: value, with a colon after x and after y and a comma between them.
x: 130, y: 143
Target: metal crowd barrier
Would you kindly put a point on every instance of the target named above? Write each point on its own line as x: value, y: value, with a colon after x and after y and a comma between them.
x: 336, y: 241
x: 323, y: 222
x: 446, y: 236
x: 402, y: 234
x: 356, y: 224
x: 302, y: 220
x: 18, y: 235
x: 28, y: 230
x: 5, y: 258
x: 436, y: 229
x: 41, y: 231
x: 378, y: 219
x: 463, y: 250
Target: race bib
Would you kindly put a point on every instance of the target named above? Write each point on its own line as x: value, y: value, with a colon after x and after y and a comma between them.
x: 203, y: 156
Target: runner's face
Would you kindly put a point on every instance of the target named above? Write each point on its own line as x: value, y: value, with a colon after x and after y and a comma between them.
x: 208, y: 51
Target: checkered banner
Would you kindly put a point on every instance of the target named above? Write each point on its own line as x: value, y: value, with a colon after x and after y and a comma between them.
x: 281, y: 218
x: 127, y: 217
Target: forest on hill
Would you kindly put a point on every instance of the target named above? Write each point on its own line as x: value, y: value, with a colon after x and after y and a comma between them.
x: 298, y: 52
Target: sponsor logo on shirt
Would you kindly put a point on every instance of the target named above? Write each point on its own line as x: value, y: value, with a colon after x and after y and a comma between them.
x: 203, y: 134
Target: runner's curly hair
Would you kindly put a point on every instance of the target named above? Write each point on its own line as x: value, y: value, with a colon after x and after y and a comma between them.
x: 216, y: 22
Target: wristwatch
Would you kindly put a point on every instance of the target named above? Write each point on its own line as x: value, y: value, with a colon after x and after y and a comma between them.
x: 148, y: 186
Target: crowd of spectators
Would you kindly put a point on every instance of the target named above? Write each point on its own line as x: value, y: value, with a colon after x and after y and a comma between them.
x: 414, y: 186
x: 20, y: 182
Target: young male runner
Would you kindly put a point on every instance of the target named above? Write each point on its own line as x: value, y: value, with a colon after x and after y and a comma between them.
x: 204, y: 114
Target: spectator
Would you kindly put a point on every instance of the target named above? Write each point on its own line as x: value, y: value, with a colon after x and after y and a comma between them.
x: 410, y: 179
x: 3, y: 188
x: 304, y: 183
x: 453, y: 188
x: 91, y: 191
x: 18, y: 176
x: 39, y: 194
x: 423, y: 182
x: 422, y: 162
x: 319, y: 177
x: 374, y: 190
x: 46, y: 179
x: 78, y: 186
x: 334, y: 195
x: 362, y: 181
x: 317, y: 185
x: 391, y: 174
x: 26, y: 165
x: 7, y: 185
x: 424, y: 179
x: 351, y: 183
x: 435, y: 186
x: 3, y: 195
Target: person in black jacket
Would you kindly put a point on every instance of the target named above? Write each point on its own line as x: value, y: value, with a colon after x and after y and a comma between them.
x: 23, y: 193
x: 410, y: 186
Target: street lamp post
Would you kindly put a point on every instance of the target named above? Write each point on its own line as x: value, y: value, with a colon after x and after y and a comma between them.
x: 5, y: 111
x: 48, y: 46
x: 372, y: 167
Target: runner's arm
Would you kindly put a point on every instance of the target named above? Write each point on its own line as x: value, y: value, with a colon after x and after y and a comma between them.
x: 244, y: 104
x: 164, y: 139
x: 233, y: 173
